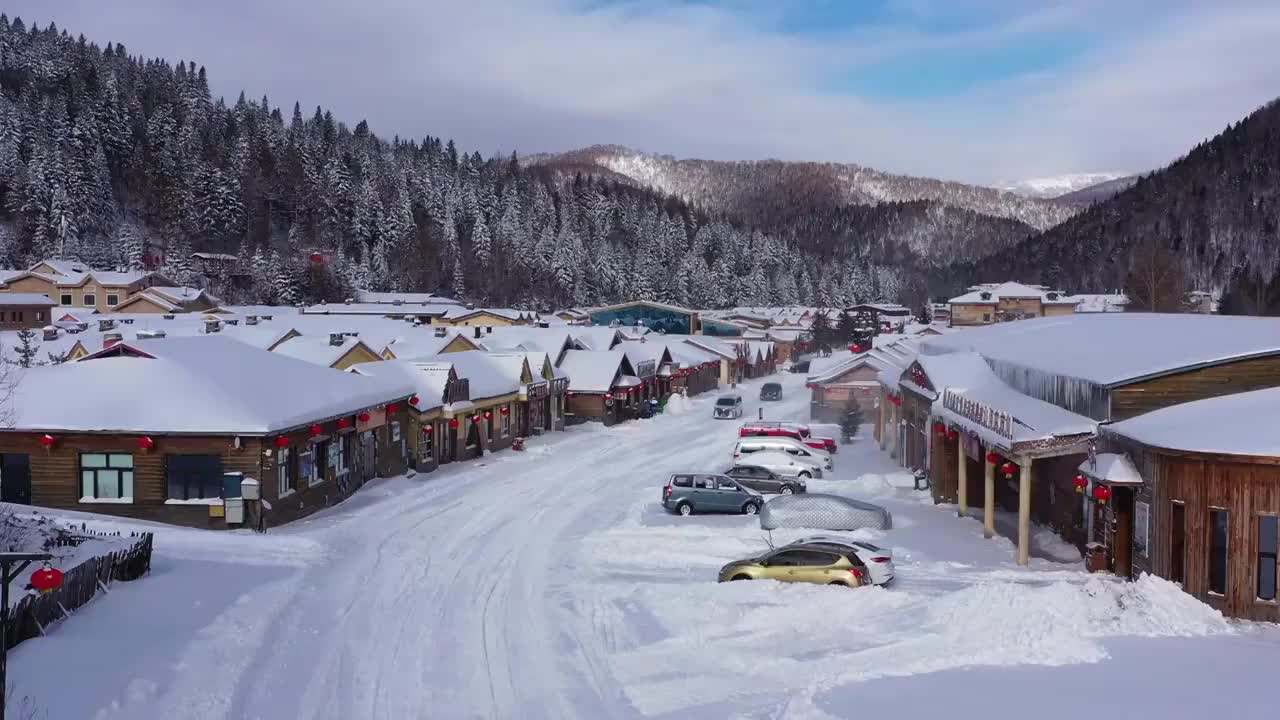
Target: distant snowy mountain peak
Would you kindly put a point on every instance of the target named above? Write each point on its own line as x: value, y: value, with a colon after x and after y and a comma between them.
x: 1058, y: 185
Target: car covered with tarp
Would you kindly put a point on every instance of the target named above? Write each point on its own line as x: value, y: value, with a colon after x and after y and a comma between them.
x: 822, y: 511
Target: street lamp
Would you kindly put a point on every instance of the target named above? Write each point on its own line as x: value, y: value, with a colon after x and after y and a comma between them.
x: 7, y: 561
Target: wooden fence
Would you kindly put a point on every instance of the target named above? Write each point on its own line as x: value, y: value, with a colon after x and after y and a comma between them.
x: 31, y: 614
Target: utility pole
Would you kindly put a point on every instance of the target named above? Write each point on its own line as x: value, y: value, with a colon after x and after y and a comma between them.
x: 7, y: 560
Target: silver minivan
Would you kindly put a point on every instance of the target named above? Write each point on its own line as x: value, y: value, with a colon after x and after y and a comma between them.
x: 748, y: 445
x: 728, y: 406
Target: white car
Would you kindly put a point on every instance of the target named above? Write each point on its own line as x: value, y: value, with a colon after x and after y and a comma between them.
x: 879, y: 561
x: 785, y: 464
x: 750, y: 445
x: 728, y: 406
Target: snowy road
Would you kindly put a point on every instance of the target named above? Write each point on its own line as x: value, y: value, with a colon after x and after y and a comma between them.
x: 550, y: 584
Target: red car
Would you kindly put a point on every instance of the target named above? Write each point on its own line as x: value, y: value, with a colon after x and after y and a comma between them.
x: 791, y: 430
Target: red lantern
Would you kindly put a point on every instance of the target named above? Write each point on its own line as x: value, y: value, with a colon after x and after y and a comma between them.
x: 1008, y: 469
x: 146, y: 443
x: 47, y: 440
x: 1080, y: 482
x: 364, y: 417
x: 282, y: 442
x: 1102, y: 494
x: 608, y: 396
x: 475, y: 418
x: 343, y: 423
x: 939, y: 428
x: 952, y: 434
x: 506, y: 411
x: 453, y: 423
x: 993, y: 458
x: 316, y: 430
x: 393, y: 408
x: 488, y: 415
x: 414, y: 401
x: 570, y: 394
x: 46, y: 579
x: 811, y: 386
x: 428, y: 430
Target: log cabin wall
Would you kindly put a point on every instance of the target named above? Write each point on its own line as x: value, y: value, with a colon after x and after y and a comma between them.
x: 1245, y: 487
x: 1240, y: 376
x: 1055, y: 502
x: 944, y: 473
x: 55, y: 472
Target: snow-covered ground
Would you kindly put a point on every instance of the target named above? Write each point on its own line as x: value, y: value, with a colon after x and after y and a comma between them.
x: 551, y: 584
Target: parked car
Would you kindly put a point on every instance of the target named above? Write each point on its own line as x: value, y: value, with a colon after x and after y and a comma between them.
x: 746, y: 446
x: 829, y: 443
x: 687, y: 493
x: 728, y: 406
x: 879, y: 561
x: 777, y: 429
x: 764, y: 480
x: 771, y: 391
x: 818, y: 563
x: 821, y: 511
x: 786, y: 465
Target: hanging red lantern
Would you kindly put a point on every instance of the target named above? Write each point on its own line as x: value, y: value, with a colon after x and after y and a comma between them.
x: 939, y: 428
x: 1102, y: 494
x: 393, y: 408
x: 146, y: 443
x: 47, y: 440
x: 1008, y: 469
x: 475, y: 419
x: 506, y: 411
x: 811, y: 386
x: 413, y: 401
x: 316, y: 430
x: 453, y: 423
x: 363, y: 417
x: 428, y: 429
x: 1080, y: 482
x: 993, y: 458
x: 344, y: 423
x: 46, y: 579
x: 488, y: 415
x: 282, y: 442
x: 952, y: 434
x: 608, y: 396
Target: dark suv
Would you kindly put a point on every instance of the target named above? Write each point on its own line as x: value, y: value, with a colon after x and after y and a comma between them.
x: 765, y: 480
x: 771, y: 391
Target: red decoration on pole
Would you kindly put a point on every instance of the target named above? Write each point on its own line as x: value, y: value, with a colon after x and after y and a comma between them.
x: 414, y: 401
x: 146, y: 443
x: 343, y: 423
x: 1102, y: 494
x: 939, y: 428
x: 47, y: 440
x: 453, y: 423
x: 46, y: 579
x: 488, y: 415
x: 1008, y: 469
x: 1080, y: 482
x: 282, y: 442
x: 506, y: 411
x: 952, y: 434
x: 993, y: 458
x: 393, y: 408
x: 608, y: 396
x: 428, y: 429
x: 316, y: 430
x: 363, y: 417
x: 475, y: 418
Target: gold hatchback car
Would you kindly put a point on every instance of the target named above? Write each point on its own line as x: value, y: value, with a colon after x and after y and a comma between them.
x: 818, y: 563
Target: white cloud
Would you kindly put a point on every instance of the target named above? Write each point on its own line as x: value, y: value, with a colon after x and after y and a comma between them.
x: 702, y: 81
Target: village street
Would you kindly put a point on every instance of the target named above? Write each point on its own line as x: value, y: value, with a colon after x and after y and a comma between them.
x: 551, y: 584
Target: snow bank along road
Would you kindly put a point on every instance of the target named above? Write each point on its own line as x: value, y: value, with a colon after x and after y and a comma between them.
x: 550, y: 584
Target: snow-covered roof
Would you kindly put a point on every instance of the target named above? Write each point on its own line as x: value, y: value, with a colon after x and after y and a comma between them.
x: 179, y: 294
x: 370, y: 296
x: 1117, y: 348
x: 968, y: 377
x: 36, y: 299
x: 831, y: 372
x: 594, y: 337
x: 318, y: 349
x: 1113, y: 469
x: 646, y: 303
x: 1009, y: 290
x: 487, y: 378
x: 159, y: 300
x: 1237, y: 424
x: 550, y: 340
x: 433, y: 309
x: 592, y: 371
x: 1115, y: 302
x: 110, y: 277
x: 638, y: 352
x: 260, y: 336
x: 214, y: 256
x: 63, y: 267
x: 428, y: 384
x: 259, y: 310
x: 419, y: 345
x: 461, y: 311
x: 191, y: 385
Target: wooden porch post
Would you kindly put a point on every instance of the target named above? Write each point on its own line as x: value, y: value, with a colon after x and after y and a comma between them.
x: 962, y: 478
x: 1024, y: 511
x: 893, y: 427
x: 989, y: 499
x: 880, y: 421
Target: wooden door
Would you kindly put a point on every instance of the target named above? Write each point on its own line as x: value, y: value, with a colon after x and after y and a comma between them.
x: 15, y: 478
x: 1122, y: 538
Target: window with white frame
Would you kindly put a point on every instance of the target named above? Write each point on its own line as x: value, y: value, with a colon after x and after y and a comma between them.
x: 286, y: 480
x: 90, y: 300
x: 113, y: 299
x: 106, y: 477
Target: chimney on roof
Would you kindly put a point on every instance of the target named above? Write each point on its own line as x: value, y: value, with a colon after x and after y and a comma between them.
x: 337, y: 338
x: 232, y: 321
x: 397, y: 301
x: 985, y: 295
x: 471, y: 306
x: 167, y: 316
x: 251, y: 320
x: 150, y: 334
x: 127, y: 321
x: 442, y: 331
x: 267, y: 317
x: 110, y: 339
x: 105, y: 325
x: 544, y: 324
x: 50, y: 333
x: 477, y: 332
x: 347, y: 301
x: 212, y: 326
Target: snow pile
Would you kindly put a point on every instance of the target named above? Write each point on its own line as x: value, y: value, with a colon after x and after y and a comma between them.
x: 678, y: 404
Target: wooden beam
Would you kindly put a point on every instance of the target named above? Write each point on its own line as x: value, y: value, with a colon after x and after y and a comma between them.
x: 1024, y: 511
x: 989, y: 500
x: 962, y: 478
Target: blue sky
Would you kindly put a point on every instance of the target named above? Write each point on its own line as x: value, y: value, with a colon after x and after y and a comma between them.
x: 975, y: 90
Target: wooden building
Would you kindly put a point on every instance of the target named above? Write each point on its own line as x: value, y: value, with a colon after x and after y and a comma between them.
x: 1002, y: 302
x: 835, y: 390
x: 1200, y: 502
x: 336, y: 350
x: 24, y: 311
x: 73, y: 284
x: 163, y: 299
x: 214, y: 411
x: 602, y: 386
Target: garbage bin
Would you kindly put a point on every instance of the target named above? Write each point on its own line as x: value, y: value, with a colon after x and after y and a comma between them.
x: 1095, y: 557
